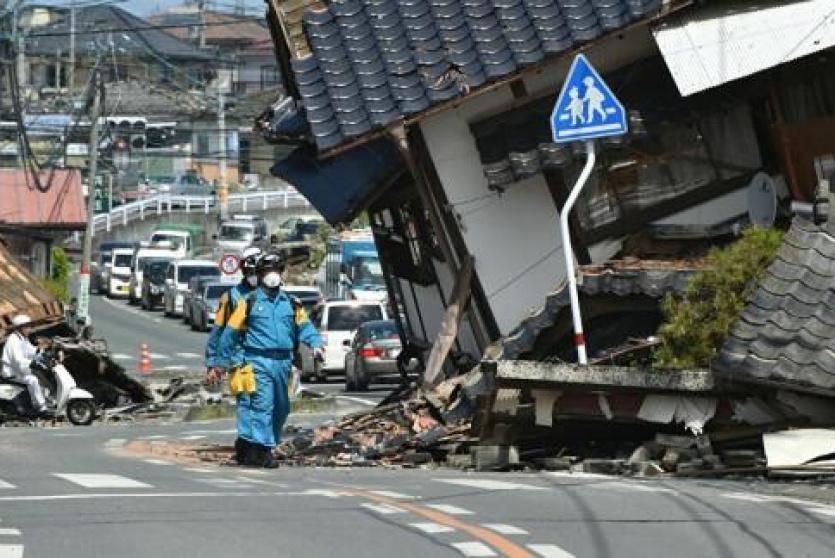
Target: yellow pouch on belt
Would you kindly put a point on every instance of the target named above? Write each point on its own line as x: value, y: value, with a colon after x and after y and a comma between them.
x: 242, y: 380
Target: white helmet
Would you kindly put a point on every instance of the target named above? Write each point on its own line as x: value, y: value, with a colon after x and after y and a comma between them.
x: 21, y: 320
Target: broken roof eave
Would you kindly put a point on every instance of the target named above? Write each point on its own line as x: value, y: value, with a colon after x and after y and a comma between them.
x: 675, y: 7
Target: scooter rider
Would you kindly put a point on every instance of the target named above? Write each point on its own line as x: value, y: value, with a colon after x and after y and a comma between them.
x: 17, y: 357
x: 260, y: 339
x: 226, y: 305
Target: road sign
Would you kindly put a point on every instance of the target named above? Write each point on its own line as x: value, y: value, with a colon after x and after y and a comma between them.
x: 229, y: 264
x: 586, y: 107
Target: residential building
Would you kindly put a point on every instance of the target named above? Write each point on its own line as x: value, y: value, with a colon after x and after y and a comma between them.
x: 434, y: 117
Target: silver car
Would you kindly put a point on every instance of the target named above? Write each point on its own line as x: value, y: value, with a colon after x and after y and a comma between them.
x: 373, y: 353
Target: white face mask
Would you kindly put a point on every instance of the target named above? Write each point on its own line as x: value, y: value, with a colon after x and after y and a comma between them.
x: 252, y: 280
x: 272, y: 280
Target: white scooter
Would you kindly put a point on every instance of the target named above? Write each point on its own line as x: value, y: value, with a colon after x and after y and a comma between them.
x: 64, y: 397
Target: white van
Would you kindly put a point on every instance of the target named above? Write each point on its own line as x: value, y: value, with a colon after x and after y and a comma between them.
x: 118, y: 277
x: 336, y: 322
x: 177, y: 278
x: 147, y: 252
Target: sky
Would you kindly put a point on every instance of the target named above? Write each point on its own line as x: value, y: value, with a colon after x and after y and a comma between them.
x: 145, y: 8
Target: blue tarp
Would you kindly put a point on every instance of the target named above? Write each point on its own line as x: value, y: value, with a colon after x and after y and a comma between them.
x: 339, y: 187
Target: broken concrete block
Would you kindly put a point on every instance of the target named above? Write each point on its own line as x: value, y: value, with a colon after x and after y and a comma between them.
x: 603, y: 466
x: 488, y: 458
x: 670, y: 459
x: 648, y: 469
x: 640, y: 455
x: 672, y: 441
x: 459, y: 460
x: 553, y: 463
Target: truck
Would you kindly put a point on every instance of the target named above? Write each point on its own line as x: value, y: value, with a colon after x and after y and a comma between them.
x: 351, y: 270
x: 185, y: 239
x: 238, y: 233
x: 147, y: 251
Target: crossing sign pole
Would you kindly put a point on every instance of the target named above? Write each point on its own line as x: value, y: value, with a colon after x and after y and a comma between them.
x: 595, y: 113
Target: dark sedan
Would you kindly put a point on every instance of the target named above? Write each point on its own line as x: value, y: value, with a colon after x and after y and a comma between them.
x: 153, y: 282
x: 374, y: 349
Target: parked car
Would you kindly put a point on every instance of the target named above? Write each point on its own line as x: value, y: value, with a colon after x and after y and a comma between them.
x: 204, y: 303
x: 337, y: 321
x: 196, y: 286
x: 310, y: 297
x: 184, y: 238
x: 146, y: 251
x: 305, y: 230
x: 118, y: 276
x: 101, y: 267
x: 177, y: 277
x: 153, y: 282
x: 373, y: 352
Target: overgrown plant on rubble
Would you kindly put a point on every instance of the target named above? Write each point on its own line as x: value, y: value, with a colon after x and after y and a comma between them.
x: 697, y: 321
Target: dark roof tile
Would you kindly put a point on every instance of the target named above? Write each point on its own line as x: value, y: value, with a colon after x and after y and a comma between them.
x: 473, y: 40
x: 787, y: 332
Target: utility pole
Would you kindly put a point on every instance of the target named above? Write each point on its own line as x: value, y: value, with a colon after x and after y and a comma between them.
x: 21, y: 50
x: 92, y: 168
x: 223, y: 189
x: 71, y: 83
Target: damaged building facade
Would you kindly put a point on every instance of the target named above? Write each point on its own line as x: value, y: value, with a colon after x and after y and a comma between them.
x: 433, y: 115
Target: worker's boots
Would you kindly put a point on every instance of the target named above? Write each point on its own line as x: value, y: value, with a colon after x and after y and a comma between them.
x: 240, y: 450
x: 259, y: 456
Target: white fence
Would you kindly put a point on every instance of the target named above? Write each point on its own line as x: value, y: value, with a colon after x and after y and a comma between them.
x: 166, y: 203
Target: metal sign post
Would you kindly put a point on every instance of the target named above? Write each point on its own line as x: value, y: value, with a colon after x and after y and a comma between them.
x: 586, y: 109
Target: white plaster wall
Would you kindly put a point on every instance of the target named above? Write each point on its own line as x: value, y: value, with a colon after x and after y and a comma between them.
x: 514, y: 237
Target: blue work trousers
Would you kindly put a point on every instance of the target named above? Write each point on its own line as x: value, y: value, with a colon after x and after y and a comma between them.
x: 261, y: 415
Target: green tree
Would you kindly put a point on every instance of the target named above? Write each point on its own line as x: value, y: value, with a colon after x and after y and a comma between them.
x: 698, y: 320
x: 58, y: 283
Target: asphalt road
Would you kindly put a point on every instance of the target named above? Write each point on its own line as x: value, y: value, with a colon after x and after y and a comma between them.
x: 174, y: 348
x: 76, y: 493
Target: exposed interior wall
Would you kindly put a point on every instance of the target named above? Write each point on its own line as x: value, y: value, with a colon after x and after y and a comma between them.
x: 514, y: 236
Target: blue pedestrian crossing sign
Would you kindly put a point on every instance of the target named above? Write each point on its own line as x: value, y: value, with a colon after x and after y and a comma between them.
x: 586, y: 107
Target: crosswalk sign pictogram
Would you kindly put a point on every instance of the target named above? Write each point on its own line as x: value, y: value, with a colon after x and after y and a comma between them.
x: 586, y: 107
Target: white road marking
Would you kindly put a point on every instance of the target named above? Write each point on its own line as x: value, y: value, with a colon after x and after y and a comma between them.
x: 473, y: 548
x: 115, y: 443
x: 157, y: 462
x: 9, y: 532
x: 101, y: 481
x: 394, y: 495
x: 200, y: 470
x: 490, y: 484
x: 333, y: 494
x: 193, y: 437
x: 175, y: 367
x: 549, y: 551
x: 450, y: 509
x: 11, y: 551
x: 432, y: 528
x: 127, y: 495
x: 504, y: 529
x: 634, y: 486
x: 580, y: 475
x: 261, y: 481
x: 382, y: 509
x: 188, y: 355
x: 159, y: 356
x: 227, y: 431
x: 226, y: 483
x: 154, y: 437
x: 6, y: 485
x: 121, y: 356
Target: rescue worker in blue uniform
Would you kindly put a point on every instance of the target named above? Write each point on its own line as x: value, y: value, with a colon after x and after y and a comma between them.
x: 215, y: 367
x: 259, y: 342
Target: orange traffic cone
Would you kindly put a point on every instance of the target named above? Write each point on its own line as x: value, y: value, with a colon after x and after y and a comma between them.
x: 145, y: 360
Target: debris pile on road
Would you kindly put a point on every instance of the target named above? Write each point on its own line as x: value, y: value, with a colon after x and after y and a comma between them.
x: 420, y: 428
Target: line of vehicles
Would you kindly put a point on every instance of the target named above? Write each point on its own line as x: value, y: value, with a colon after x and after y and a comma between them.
x: 348, y: 302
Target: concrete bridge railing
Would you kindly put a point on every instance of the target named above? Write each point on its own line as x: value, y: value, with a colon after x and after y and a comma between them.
x: 167, y: 203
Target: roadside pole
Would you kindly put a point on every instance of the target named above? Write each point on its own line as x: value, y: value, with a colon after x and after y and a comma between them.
x: 596, y: 113
x: 223, y: 188
x: 568, y: 251
x: 93, y: 154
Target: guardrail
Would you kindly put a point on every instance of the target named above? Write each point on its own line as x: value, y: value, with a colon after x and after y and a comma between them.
x: 167, y: 203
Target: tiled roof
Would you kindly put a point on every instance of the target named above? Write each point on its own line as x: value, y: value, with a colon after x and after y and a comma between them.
x: 220, y: 27
x: 375, y: 61
x: 62, y: 206
x: 647, y: 278
x: 787, y: 332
